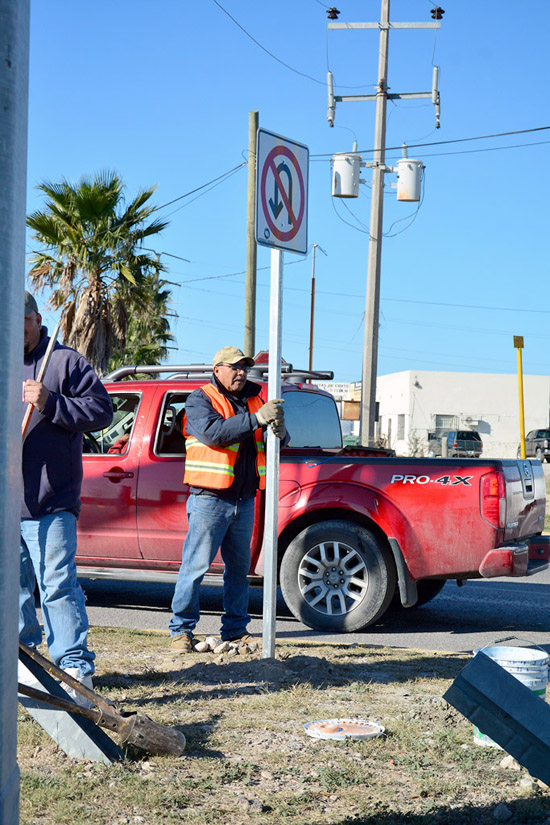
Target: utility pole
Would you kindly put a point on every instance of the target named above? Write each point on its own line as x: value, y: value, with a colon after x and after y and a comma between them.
x: 250, y: 289
x: 14, y: 81
x: 372, y: 302
x: 312, y: 311
x: 312, y: 307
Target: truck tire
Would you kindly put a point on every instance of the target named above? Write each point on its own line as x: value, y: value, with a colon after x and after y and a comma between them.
x: 337, y: 576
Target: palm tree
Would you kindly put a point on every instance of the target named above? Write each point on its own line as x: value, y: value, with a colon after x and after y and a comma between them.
x: 148, y: 334
x: 92, y: 260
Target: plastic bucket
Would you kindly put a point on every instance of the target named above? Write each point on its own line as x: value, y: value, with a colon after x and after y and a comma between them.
x: 527, y: 665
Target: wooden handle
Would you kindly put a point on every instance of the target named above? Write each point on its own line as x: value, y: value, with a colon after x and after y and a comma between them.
x: 41, y: 373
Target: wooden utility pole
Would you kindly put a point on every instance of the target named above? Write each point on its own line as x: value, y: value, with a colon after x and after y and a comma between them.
x: 250, y: 290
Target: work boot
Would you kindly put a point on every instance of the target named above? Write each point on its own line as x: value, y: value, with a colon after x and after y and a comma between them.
x: 243, y: 637
x: 185, y: 643
x: 77, y: 698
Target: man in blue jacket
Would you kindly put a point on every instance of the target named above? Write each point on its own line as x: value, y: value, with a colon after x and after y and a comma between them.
x: 70, y: 401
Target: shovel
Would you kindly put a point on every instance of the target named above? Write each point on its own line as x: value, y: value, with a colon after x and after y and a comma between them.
x: 132, y: 728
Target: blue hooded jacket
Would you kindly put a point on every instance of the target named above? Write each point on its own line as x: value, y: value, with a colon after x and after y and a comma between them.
x: 52, y: 450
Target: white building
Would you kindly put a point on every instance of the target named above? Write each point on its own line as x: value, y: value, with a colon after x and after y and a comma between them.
x: 414, y: 403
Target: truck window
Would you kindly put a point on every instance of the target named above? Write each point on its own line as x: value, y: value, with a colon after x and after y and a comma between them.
x: 312, y: 420
x: 115, y: 439
x: 169, y: 437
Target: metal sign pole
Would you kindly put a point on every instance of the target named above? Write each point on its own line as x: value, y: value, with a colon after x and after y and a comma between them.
x: 14, y: 68
x: 272, y: 459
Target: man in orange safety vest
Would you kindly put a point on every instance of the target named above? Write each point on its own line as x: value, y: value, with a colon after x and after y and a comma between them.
x: 223, y: 427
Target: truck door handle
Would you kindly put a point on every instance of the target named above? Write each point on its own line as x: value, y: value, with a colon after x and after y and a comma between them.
x: 116, y: 474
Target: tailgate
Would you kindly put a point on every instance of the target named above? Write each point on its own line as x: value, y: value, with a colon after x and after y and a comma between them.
x: 525, y: 498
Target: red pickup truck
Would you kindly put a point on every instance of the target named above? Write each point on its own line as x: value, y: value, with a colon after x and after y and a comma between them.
x: 356, y: 526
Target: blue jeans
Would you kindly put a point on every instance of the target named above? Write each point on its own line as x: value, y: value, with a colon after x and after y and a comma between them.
x: 48, y: 548
x: 214, y: 523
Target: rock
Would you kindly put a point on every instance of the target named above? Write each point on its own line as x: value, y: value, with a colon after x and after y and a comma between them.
x: 212, y: 642
x: 249, y: 804
x: 232, y: 651
x: 202, y: 647
x: 510, y: 762
x: 253, y: 647
x: 266, y: 775
x: 544, y: 787
x: 527, y: 783
x: 221, y: 647
x: 502, y: 813
x: 243, y: 650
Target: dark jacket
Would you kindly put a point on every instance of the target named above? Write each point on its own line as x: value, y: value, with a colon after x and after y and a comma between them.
x: 212, y: 429
x: 52, y: 450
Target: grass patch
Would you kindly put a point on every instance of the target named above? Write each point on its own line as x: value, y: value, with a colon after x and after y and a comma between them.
x: 248, y: 759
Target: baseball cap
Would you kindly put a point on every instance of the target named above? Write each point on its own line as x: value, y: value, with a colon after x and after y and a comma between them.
x: 231, y: 355
x: 30, y: 304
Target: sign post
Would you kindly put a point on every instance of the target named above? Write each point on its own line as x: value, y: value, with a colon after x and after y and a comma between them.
x: 281, y: 223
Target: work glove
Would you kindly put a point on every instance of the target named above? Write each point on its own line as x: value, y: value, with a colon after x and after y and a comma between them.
x: 271, y: 411
x: 278, y: 427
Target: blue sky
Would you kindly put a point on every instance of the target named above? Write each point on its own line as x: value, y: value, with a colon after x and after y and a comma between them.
x: 161, y: 92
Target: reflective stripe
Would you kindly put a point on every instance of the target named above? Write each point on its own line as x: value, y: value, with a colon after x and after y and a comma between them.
x: 213, y: 467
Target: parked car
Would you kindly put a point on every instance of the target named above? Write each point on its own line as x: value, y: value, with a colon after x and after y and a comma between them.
x: 537, y: 445
x: 460, y: 444
x: 356, y: 524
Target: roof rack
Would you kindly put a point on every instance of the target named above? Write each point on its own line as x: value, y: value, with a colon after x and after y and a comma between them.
x: 179, y: 371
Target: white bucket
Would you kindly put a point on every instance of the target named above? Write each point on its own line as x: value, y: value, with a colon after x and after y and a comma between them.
x: 527, y: 665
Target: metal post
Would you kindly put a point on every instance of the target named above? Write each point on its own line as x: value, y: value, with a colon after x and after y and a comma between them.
x: 312, y: 308
x: 14, y: 75
x: 372, y: 305
x: 250, y: 289
x: 518, y: 344
x: 272, y: 459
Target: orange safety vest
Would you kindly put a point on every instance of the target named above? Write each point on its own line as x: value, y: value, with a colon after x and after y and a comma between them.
x: 214, y: 467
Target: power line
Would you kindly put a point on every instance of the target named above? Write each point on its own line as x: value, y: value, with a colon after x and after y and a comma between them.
x: 204, y: 185
x: 440, y: 142
x: 263, y: 48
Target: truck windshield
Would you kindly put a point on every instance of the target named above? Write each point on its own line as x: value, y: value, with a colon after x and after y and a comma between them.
x: 312, y: 420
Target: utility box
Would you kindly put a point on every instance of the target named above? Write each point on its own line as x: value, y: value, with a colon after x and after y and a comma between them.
x: 409, y: 176
x: 345, y: 175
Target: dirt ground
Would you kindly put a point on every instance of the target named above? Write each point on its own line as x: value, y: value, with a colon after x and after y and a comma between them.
x: 248, y: 758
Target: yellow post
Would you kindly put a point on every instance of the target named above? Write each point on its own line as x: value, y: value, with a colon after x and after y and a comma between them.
x: 518, y: 343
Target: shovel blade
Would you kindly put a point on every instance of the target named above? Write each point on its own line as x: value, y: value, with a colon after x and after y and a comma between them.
x: 149, y: 736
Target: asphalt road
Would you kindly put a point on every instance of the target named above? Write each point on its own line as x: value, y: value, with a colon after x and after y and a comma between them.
x: 458, y: 619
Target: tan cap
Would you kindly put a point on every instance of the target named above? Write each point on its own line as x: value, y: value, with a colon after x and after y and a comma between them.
x: 231, y: 355
x: 30, y: 304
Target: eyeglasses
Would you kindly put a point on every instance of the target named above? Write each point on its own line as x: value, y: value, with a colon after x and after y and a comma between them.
x: 236, y: 367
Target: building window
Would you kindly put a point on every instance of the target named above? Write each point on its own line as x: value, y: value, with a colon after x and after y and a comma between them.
x: 444, y: 423
x: 400, y: 427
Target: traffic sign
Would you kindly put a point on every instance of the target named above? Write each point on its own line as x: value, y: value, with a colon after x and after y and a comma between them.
x: 281, y: 192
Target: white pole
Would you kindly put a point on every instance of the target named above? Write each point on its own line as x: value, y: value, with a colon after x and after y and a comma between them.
x: 272, y: 459
x: 14, y: 77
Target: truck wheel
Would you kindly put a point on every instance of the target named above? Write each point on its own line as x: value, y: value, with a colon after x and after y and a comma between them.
x: 428, y: 589
x: 336, y: 576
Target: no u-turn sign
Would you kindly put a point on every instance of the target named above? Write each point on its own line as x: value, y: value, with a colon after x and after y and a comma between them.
x: 281, y: 192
